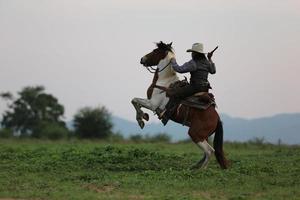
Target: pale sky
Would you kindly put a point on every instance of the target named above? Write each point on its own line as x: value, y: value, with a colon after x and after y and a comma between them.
x: 86, y: 53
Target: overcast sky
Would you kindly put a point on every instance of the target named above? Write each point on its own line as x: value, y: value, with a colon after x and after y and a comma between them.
x: 87, y: 52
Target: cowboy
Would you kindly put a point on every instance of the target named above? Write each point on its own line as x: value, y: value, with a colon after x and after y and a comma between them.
x: 199, y: 67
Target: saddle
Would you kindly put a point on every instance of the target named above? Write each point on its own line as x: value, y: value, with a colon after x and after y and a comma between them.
x: 200, y: 100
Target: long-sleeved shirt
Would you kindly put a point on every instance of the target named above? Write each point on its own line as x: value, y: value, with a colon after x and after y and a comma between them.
x: 199, y: 70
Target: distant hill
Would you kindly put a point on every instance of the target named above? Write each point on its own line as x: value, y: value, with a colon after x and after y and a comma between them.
x: 285, y: 127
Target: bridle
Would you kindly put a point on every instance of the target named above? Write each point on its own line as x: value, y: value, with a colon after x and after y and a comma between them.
x: 155, y: 78
x: 153, y: 85
x: 152, y: 70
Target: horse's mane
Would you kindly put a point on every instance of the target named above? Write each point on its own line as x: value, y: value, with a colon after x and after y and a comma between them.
x: 165, y: 47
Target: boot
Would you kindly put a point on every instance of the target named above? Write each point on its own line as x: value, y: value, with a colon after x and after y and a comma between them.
x: 165, y: 118
x: 162, y: 115
x: 167, y: 113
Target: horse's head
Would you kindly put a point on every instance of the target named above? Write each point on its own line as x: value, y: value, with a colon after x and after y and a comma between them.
x: 157, y: 55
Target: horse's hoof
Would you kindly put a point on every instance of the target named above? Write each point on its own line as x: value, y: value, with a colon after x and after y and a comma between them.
x: 199, y: 165
x: 194, y: 167
x: 141, y: 124
x: 146, y: 116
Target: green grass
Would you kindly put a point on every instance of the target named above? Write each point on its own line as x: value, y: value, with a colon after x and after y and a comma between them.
x: 97, y: 170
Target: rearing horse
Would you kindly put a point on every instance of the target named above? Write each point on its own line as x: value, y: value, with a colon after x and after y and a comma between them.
x: 203, y: 123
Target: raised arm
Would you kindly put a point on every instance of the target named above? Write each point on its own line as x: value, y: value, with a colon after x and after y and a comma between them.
x: 186, y: 67
x: 212, y: 66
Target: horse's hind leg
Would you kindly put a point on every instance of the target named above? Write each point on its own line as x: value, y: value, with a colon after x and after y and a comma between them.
x: 208, y: 152
x: 203, y: 124
x: 199, y: 137
x: 200, y: 163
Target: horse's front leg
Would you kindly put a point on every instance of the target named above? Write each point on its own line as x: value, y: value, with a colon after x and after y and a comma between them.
x: 138, y: 103
x: 139, y: 112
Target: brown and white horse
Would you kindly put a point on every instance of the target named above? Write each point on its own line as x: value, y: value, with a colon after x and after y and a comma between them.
x: 202, y: 123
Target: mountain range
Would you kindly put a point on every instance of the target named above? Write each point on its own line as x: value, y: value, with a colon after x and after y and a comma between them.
x: 282, y: 127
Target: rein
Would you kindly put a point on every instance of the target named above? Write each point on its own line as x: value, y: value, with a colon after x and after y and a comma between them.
x: 153, y: 84
x: 149, y: 68
x: 155, y: 78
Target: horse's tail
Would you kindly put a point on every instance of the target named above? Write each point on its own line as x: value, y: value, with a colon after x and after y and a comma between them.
x: 218, y: 146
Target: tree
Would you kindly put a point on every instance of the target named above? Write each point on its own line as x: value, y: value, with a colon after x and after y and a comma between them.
x: 32, y: 108
x: 93, y: 123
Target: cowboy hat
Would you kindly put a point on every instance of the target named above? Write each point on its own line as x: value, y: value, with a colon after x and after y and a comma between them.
x: 197, y: 47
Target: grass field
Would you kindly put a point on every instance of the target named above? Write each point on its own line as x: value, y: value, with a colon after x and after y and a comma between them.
x: 97, y: 170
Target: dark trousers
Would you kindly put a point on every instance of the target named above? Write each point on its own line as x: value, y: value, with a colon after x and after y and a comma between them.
x: 176, y: 95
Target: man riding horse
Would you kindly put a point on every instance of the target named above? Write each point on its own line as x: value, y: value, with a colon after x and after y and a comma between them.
x: 197, y: 112
x: 199, y: 67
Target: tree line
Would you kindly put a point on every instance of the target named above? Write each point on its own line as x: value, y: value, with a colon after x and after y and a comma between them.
x: 36, y: 114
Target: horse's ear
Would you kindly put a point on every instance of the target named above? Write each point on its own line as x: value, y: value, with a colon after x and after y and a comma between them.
x: 170, y: 45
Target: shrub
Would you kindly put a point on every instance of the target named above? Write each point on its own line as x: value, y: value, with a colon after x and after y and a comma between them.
x: 116, y: 137
x: 257, y: 141
x: 161, y: 137
x: 52, y: 131
x: 6, y: 133
x: 136, y: 138
x: 55, y: 132
x: 93, y: 123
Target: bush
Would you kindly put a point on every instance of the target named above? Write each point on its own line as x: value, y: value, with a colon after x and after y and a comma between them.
x: 116, y: 137
x: 6, y: 133
x: 55, y: 132
x: 93, y: 123
x: 257, y: 141
x: 161, y: 137
x: 52, y: 131
x: 136, y: 138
